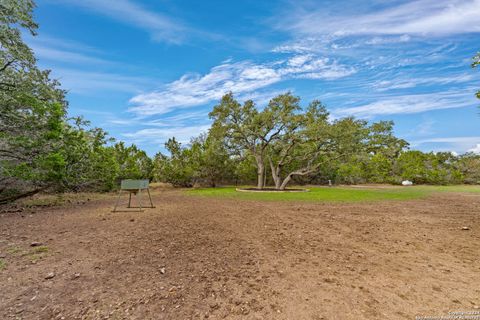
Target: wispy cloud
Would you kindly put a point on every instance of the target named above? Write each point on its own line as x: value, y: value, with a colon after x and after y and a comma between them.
x: 243, y: 77
x: 65, y: 56
x: 92, y: 82
x: 85, y: 69
x: 459, y: 144
x: 54, y: 50
x: 408, y: 104
x: 412, y: 82
x: 420, y: 17
x: 161, y: 135
x: 161, y: 26
x: 425, y: 128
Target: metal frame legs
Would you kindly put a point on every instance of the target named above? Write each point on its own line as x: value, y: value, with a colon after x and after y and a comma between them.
x: 139, y: 198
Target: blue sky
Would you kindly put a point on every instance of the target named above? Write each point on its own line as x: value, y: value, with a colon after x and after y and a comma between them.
x: 149, y: 70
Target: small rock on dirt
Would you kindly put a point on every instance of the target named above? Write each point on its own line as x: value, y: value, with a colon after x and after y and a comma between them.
x: 35, y: 244
x: 162, y: 270
x: 50, y: 275
x: 465, y: 228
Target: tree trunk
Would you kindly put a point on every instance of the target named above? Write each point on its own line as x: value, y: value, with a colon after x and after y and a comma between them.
x: 260, y: 171
x: 20, y: 196
x: 285, y: 182
x: 260, y: 175
x: 300, y: 172
x: 275, y: 175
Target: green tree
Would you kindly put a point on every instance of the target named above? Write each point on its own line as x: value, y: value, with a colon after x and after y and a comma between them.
x: 248, y: 130
x: 15, y: 54
x: 133, y: 163
x: 469, y: 165
x: 179, y: 169
x: 40, y: 148
x: 301, y: 143
x: 383, y: 149
x: 428, y: 168
x: 211, y: 159
x: 32, y: 120
x: 89, y: 163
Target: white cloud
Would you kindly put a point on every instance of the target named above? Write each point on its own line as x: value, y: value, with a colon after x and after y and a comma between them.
x: 413, y: 82
x: 459, y: 144
x: 475, y: 149
x: 407, y: 104
x: 388, y: 40
x: 419, y: 17
x: 425, y: 128
x: 161, y: 135
x: 58, y: 55
x: 238, y: 77
x: 90, y: 82
x: 49, y: 41
x: 468, y: 140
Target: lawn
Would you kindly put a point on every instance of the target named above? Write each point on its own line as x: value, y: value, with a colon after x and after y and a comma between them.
x: 334, y: 194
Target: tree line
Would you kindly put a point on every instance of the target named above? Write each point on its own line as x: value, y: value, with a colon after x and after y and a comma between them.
x: 43, y: 149
x: 284, y: 144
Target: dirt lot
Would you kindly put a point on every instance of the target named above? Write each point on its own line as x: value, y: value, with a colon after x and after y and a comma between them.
x: 194, y: 257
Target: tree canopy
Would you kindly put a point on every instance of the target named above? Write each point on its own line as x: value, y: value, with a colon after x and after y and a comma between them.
x: 41, y: 148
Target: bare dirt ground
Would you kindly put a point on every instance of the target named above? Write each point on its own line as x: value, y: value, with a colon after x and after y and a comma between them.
x: 196, y: 258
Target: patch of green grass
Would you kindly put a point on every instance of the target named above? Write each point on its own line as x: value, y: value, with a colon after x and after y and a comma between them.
x: 3, y: 264
x: 34, y: 257
x: 36, y: 253
x: 14, y: 250
x: 454, y: 188
x: 336, y: 194
x: 342, y: 194
x: 40, y: 249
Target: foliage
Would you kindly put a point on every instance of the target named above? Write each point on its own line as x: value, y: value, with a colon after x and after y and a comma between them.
x: 90, y: 165
x: 469, y: 165
x: 40, y: 148
x: 205, y: 161
x: 33, y: 111
x: 298, y: 143
x: 428, y: 168
x: 303, y: 146
x: 178, y: 168
x: 248, y: 131
x: 133, y: 163
x: 211, y: 159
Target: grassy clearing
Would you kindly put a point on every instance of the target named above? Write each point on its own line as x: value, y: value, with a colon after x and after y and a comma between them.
x: 3, y: 264
x: 457, y: 188
x: 342, y: 194
x: 337, y: 194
